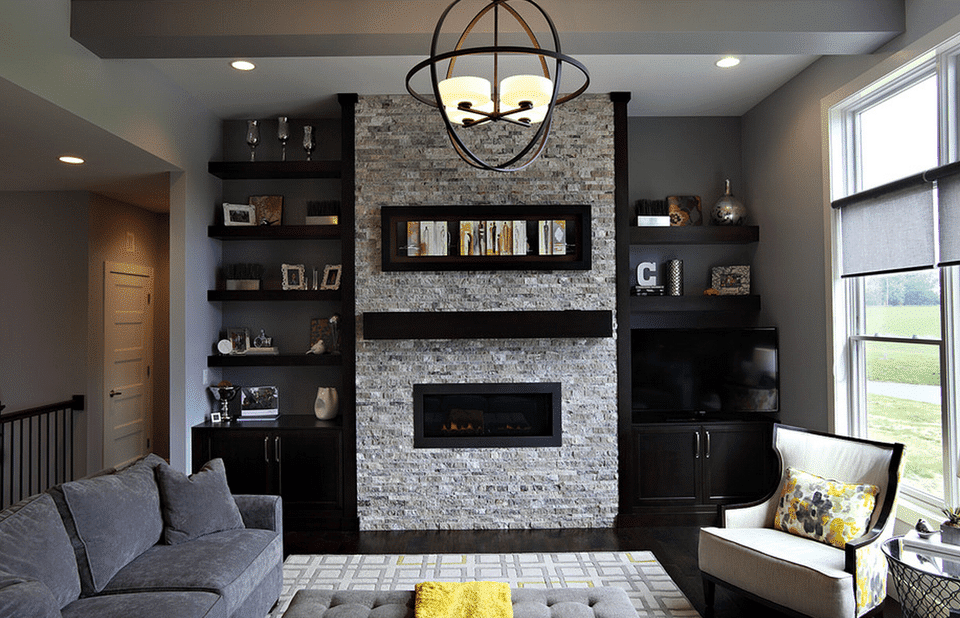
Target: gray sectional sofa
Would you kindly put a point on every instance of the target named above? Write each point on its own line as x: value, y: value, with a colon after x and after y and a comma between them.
x: 144, y: 541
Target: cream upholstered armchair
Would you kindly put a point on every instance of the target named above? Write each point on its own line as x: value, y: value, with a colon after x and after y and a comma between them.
x: 796, y: 574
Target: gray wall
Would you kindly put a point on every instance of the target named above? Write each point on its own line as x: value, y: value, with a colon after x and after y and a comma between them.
x: 784, y: 162
x: 43, y: 303
x: 43, y: 311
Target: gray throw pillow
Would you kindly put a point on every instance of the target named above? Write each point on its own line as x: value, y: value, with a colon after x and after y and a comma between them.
x: 198, y: 505
x: 117, y: 518
x: 34, y: 548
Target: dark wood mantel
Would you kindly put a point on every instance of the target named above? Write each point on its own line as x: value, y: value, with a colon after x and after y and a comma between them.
x: 487, y: 324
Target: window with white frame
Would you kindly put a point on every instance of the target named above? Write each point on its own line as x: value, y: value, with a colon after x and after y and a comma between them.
x: 898, y: 219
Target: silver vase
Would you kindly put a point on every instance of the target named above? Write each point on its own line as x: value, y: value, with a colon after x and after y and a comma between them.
x: 728, y: 210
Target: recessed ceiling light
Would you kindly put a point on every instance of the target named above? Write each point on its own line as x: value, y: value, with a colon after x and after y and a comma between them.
x: 727, y: 62
x: 243, y: 65
x: 72, y: 160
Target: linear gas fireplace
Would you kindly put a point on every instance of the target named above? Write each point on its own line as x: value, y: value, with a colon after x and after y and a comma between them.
x: 486, y: 415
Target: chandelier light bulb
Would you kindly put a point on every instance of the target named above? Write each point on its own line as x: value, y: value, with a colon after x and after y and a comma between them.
x: 525, y: 91
x: 468, y: 90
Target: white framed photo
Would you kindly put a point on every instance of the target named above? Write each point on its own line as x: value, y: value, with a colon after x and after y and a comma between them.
x: 239, y: 214
x: 331, y: 277
x: 215, y: 417
x: 293, y: 277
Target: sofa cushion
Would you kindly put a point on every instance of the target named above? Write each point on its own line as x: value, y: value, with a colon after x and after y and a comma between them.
x: 116, y: 518
x: 34, y: 546
x: 196, y: 505
x: 232, y: 563
x: 26, y: 598
x: 160, y: 604
x: 824, y: 510
x: 794, y: 571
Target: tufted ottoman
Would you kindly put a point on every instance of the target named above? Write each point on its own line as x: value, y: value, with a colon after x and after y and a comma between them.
x: 527, y: 603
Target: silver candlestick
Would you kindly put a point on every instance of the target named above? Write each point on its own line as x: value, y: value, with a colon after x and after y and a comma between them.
x: 253, y: 136
x: 283, y: 134
x: 308, y: 144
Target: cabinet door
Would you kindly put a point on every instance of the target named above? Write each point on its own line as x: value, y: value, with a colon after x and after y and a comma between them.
x: 245, y: 456
x: 668, y: 463
x: 737, y: 461
x: 309, y: 463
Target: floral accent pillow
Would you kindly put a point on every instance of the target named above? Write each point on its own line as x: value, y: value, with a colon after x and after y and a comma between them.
x: 828, y: 511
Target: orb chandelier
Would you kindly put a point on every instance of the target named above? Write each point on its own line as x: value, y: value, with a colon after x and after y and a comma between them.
x: 524, y: 100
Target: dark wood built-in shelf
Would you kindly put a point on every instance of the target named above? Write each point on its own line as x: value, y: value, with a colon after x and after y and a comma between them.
x: 271, y: 170
x: 695, y: 235
x: 247, y: 295
x: 274, y: 232
x: 487, y: 324
x: 279, y: 360
x: 694, y: 303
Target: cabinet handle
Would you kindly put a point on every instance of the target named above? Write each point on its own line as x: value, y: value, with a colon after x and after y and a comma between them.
x: 276, y: 449
x: 696, y: 448
x: 708, y: 444
x: 266, y: 456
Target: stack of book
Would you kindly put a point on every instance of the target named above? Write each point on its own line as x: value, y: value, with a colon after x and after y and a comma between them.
x: 931, y: 546
x: 647, y: 290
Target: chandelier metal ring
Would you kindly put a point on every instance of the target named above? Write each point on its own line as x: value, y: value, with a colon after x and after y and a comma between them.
x: 476, y: 116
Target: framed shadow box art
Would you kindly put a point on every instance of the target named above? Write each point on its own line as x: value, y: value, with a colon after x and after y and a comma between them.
x: 731, y: 280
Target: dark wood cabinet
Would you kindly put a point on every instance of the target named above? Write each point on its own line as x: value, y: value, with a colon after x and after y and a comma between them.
x: 297, y: 458
x: 688, y: 469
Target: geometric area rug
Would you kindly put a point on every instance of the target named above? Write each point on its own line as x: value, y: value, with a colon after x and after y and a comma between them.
x: 650, y: 589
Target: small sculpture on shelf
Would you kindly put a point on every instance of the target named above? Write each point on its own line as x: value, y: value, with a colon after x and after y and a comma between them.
x: 327, y: 403
x: 225, y: 392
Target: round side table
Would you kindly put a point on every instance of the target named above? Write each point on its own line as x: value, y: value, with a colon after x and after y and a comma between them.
x: 927, y: 584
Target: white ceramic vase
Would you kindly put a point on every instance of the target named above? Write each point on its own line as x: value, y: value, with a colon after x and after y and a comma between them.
x: 327, y: 404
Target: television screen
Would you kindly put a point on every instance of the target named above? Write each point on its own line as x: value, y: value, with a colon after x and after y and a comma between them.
x: 705, y: 370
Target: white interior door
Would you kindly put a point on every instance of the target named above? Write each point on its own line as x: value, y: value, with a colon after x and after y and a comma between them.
x: 127, y: 362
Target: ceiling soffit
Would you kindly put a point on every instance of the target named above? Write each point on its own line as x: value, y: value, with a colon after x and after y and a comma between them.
x: 297, y: 28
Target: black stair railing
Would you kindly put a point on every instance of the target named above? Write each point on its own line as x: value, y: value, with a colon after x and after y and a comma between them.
x: 36, y: 449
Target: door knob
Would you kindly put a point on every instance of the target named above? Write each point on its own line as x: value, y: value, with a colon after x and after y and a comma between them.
x: 114, y: 393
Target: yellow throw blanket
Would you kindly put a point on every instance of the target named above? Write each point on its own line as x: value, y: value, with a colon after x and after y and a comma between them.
x: 463, y: 600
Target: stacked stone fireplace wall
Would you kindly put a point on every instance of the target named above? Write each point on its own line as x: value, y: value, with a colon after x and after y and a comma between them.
x: 404, y: 158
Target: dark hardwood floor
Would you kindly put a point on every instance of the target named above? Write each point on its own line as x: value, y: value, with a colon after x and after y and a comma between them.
x: 675, y: 547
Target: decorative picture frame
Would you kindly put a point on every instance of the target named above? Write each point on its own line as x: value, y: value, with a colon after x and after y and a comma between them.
x: 731, y: 280
x: 239, y: 214
x: 293, y: 277
x: 216, y: 417
x: 331, y: 277
x: 269, y: 209
x: 259, y: 401
x: 240, y: 338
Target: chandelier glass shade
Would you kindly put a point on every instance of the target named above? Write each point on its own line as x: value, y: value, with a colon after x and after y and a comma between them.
x: 524, y: 100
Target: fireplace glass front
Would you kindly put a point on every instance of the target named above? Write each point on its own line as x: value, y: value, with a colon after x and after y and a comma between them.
x: 486, y: 415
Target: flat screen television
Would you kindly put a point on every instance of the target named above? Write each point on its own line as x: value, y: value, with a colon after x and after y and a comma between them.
x: 705, y: 370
